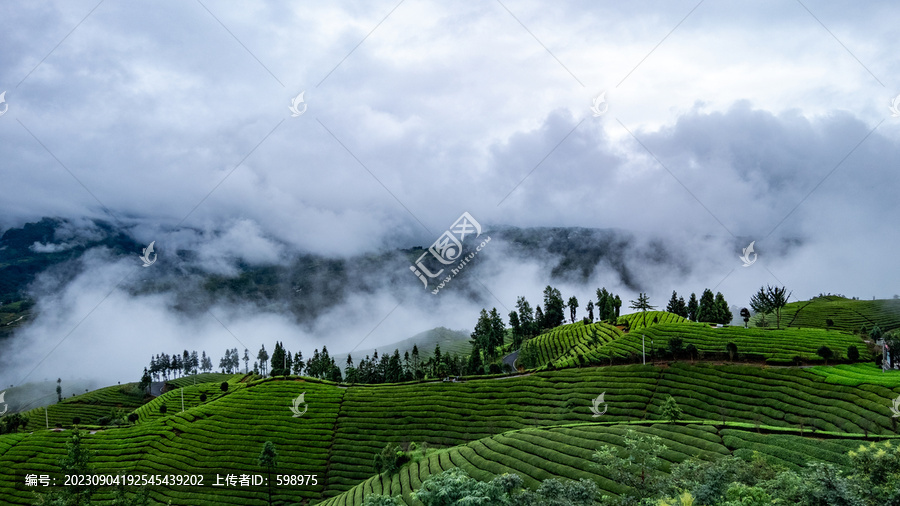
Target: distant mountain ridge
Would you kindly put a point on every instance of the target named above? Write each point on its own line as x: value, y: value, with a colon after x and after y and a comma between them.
x: 31, y: 249
x: 308, y: 284
x: 451, y: 341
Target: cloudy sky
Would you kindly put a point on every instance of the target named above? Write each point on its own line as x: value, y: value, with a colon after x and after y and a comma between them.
x: 722, y: 123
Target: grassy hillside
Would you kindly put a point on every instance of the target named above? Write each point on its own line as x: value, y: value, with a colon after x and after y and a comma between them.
x: 637, y: 321
x: 848, y: 315
x: 343, y: 428
x: 89, y: 407
x: 565, y: 453
x: 42, y: 393
x: 578, y: 344
x: 563, y: 344
x: 204, y: 377
x: 858, y: 374
x: 225, y: 434
x: 773, y: 346
x: 15, y: 314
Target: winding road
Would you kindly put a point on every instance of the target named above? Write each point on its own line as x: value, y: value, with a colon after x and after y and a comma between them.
x: 511, y: 359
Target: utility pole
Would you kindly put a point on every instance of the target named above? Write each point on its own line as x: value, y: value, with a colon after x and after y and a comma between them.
x: 643, y: 350
x: 182, y: 399
x: 47, y: 417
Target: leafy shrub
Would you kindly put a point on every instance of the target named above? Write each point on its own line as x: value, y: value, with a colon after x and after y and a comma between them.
x: 390, y: 459
x: 676, y: 346
x: 132, y: 390
x: 692, y: 351
x: 825, y: 352
x: 731, y: 349
x: 670, y: 410
x: 381, y: 500
x: 13, y: 422
x: 632, y: 464
x: 852, y: 353
x: 455, y: 487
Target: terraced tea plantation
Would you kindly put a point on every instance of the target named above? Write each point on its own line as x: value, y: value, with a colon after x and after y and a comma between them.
x: 540, y: 424
x: 468, y: 423
x: 773, y: 346
x: 565, y: 453
x: 88, y: 407
x: 223, y: 435
x: 566, y: 341
x: 637, y: 321
x: 578, y: 344
x: 848, y: 315
x: 858, y: 374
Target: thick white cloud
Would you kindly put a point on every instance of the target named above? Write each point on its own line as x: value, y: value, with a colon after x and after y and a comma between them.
x: 151, y: 113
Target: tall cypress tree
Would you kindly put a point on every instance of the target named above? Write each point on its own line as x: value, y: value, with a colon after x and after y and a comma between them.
x: 707, y: 311
x: 672, y: 306
x: 298, y: 363
x: 610, y: 309
x: 722, y: 309
x: 554, y: 314
x: 692, y: 307
x: 278, y: 359
x: 682, y: 308
x: 416, y: 363
x: 497, y: 333
x: 602, y: 295
x: 526, y: 318
x: 516, y: 327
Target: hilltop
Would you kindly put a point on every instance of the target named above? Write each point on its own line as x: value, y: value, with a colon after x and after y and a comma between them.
x: 450, y: 341
x: 846, y: 314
